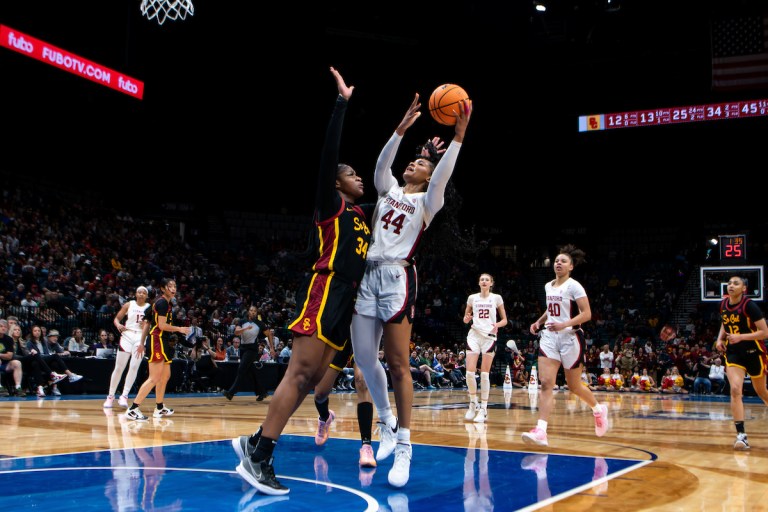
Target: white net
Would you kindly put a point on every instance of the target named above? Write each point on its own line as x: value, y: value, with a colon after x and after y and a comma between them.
x: 162, y: 10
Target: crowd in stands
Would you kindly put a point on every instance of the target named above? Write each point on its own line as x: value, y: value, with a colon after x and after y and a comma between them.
x: 70, y: 267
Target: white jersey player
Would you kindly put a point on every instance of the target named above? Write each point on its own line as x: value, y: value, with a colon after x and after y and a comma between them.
x: 562, y: 343
x: 483, y: 309
x: 386, y: 297
x: 130, y: 347
x: 562, y: 302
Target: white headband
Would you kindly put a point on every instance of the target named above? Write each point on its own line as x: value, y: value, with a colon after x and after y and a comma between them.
x: 142, y: 288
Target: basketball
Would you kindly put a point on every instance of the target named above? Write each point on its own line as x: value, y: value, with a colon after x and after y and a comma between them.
x: 444, y: 101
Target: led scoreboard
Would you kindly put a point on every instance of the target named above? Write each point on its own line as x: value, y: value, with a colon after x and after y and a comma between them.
x: 733, y: 258
x: 733, y: 248
x: 674, y: 115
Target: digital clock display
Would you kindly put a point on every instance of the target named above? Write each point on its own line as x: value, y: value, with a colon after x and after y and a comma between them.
x: 733, y: 247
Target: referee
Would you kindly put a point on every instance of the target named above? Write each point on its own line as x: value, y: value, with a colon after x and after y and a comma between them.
x: 249, y: 332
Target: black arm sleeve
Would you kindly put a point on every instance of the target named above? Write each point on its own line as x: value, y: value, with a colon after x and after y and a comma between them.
x: 328, y: 200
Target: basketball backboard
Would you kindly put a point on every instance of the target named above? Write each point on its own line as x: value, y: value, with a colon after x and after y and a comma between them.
x: 714, y: 281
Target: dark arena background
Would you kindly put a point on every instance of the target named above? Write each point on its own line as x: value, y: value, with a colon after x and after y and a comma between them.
x: 631, y: 128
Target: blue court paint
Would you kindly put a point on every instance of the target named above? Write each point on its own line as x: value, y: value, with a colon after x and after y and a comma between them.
x: 201, y: 476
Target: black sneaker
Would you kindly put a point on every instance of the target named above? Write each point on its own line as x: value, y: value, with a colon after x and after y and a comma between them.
x: 261, y: 475
x: 227, y: 394
x: 242, y: 447
x: 259, y: 398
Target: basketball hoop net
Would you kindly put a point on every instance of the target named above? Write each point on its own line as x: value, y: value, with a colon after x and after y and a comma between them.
x: 167, y: 9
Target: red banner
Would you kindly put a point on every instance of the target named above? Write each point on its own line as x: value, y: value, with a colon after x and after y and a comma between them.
x: 62, y: 59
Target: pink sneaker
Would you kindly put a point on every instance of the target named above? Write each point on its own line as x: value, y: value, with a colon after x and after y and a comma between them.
x: 535, y: 462
x: 367, y: 460
x: 366, y: 476
x: 536, y: 436
x: 108, y: 402
x: 601, y: 468
x: 601, y: 421
x: 321, y: 471
x: 57, y: 377
x: 323, y: 428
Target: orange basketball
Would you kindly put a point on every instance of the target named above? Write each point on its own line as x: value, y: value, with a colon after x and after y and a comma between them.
x: 444, y: 103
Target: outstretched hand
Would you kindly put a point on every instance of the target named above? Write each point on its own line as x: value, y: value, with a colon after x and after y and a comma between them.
x: 462, y: 119
x: 344, y: 91
x: 437, y: 143
x: 410, y: 116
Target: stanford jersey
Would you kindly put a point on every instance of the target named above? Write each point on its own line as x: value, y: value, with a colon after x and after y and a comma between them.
x: 484, y: 310
x: 561, y: 301
x: 400, y: 218
x: 135, y: 316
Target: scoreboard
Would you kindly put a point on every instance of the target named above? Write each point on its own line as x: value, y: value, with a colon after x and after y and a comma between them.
x: 674, y: 115
x: 733, y: 248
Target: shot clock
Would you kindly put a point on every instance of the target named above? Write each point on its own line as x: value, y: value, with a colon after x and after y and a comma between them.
x: 733, y: 248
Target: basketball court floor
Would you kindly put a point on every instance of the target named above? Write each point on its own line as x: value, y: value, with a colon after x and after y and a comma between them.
x: 662, y: 453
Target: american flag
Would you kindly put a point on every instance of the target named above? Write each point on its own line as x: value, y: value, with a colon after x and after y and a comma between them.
x: 740, y: 53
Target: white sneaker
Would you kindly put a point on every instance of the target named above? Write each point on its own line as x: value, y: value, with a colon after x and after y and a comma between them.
x: 75, y: 377
x: 387, y: 441
x: 741, y: 442
x: 253, y: 501
x: 136, y: 415
x: 123, y: 401
x: 401, y: 470
x: 162, y: 423
x: 481, y: 416
x: 55, y: 391
x: 399, y: 502
x: 162, y: 413
x: 472, y: 411
x: 40, y: 392
x: 108, y: 402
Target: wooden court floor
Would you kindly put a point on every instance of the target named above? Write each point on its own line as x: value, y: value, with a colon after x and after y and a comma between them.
x: 684, y: 443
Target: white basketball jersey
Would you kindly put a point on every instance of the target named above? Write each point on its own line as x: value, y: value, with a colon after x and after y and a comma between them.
x: 400, y: 220
x: 484, y: 310
x: 135, y: 316
x: 561, y: 301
